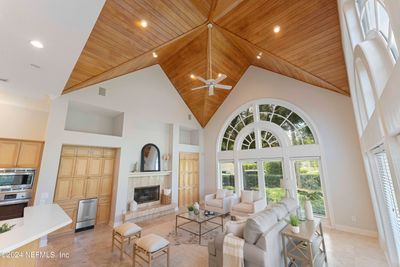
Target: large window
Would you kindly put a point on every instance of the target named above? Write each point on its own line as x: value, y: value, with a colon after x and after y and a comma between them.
x: 228, y: 175
x: 262, y: 139
x: 373, y: 16
x: 273, y: 175
x: 250, y: 176
x: 309, y: 184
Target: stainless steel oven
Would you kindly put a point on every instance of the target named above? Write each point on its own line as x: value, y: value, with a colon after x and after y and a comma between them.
x: 16, y: 185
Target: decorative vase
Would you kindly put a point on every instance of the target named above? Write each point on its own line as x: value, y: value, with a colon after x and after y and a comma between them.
x: 191, y: 212
x: 309, y: 210
x: 295, y: 229
x: 133, y: 205
x: 196, y: 206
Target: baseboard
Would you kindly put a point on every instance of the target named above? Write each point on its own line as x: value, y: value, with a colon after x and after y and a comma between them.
x: 355, y: 230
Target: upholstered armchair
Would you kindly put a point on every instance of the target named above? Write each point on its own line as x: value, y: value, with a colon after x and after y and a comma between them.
x: 248, y: 203
x: 219, y: 202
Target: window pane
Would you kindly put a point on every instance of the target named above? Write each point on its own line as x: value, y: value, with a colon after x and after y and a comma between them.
x: 268, y: 140
x: 250, y: 176
x: 309, y: 184
x: 249, y: 142
x: 383, y: 21
x: 272, y: 176
x: 228, y: 175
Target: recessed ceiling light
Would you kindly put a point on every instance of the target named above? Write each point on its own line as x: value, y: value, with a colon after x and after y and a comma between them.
x: 3, y: 80
x: 155, y: 55
x: 219, y: 75
x: 277, y: 29
x: 35, y: 66
x: 192, y: 76
x: 36, y: 43
x: 143, y: 23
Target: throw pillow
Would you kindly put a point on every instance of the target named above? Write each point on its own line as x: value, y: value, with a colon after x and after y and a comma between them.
x: 235, y: 227
x: 220, y: 193
x: 247, y: 196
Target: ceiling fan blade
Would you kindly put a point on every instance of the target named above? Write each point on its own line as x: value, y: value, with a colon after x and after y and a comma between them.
x: 200, y: 87
x: 220, y: 78
x: 201, y: 79
x: 222, y: 86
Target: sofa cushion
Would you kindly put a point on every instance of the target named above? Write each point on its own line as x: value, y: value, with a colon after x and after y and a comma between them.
x: 257, y: 224
x: 220, y: 193
x: 243, y: 207
x: 235, y: 227
x: 247, y: 196
x: 279, y: 210
x: 219, y: 203
x: 290, y: 204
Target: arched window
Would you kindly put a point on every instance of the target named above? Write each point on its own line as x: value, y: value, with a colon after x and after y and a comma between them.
x: 270, y: 145
x: 374, y: 17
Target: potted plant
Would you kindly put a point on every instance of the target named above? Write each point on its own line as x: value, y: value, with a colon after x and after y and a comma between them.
x: 191, y: 210
x: 294, y: 223
x: 5, y: 227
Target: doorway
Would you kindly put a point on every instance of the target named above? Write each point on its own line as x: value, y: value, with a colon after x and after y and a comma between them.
x: 188, y: 187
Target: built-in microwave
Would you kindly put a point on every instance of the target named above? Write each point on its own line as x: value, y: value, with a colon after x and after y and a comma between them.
x: 16, y: 179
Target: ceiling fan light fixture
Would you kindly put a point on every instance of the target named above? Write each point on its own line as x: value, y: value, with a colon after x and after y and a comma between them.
x: 192, y: 76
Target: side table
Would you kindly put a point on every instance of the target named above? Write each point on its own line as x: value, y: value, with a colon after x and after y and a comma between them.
x: 306, y: 248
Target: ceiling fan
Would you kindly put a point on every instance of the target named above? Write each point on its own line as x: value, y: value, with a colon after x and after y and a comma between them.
x: 211, y: 83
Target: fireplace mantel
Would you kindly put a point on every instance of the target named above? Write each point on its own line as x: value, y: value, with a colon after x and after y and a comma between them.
x: 148, y: 174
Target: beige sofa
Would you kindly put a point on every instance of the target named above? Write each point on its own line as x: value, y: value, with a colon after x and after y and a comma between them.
x: 263, y: 243
x: 243, y: 208
x: 219, y: 202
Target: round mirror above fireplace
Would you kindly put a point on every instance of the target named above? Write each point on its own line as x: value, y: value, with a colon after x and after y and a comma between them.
x: 150, y: 158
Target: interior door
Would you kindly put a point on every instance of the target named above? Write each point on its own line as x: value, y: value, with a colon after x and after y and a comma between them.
x: 188, y: 188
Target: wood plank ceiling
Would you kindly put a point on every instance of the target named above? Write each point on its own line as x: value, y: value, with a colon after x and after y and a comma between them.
x: 308, y: 47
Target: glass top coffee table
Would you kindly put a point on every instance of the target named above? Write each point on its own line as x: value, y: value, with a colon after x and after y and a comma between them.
x: 205, y: 223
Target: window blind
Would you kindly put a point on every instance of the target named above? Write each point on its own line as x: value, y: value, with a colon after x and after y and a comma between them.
x: 389, y: 196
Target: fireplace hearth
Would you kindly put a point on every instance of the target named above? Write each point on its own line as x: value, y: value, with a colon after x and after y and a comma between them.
x: 147, y: 194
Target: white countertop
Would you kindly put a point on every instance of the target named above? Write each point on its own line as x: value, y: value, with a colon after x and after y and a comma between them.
x: 38, y: 221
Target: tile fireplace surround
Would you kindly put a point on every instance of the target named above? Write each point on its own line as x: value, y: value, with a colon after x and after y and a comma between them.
x: 149, y: 209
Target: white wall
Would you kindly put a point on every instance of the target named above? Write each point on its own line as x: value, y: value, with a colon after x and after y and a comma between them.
x: 152, y: 108
x: 332, y: 114
x: 21, y: 122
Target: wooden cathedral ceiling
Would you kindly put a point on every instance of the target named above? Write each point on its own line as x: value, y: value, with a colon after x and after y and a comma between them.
x: 308, y: 48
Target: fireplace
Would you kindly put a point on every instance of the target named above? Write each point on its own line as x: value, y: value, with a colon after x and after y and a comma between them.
x: 147, y: 194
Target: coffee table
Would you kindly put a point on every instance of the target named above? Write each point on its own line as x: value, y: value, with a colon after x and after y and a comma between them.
x: 200, y: 220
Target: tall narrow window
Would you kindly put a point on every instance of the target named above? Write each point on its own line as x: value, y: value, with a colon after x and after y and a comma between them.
x: 250, y: 176
x: 389, y: 196
x: 273, y: 175
x: 309, y: 184
x: 228, y: 175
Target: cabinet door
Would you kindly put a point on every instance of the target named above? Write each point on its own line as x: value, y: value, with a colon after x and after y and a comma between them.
x: 9, y: 153
x: 106, y: 184
x: 92, y: 187
x: 103, y: 211
x: 108, y: 167
x: 78, y: 190
x: 109, y: 152
x: 69, y: 151
x: 66, y: 168
x: 83, y: 151
x: 96, y: 152
x: 95, y: 166
x: 81, y: 166
x: 63, y: 189
x: 29, y: 154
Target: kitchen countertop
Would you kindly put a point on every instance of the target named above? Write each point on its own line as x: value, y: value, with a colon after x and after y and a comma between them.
x: 37, y: 222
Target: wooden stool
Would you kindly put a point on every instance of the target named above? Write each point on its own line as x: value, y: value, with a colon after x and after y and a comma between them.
x: 123, y: 233
x: 150, y: 247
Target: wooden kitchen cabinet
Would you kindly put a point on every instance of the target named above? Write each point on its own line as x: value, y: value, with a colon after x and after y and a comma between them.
x: 29, y: 154
x: 63, y: 189
x: 78, y: 189
x: 106, y: 184
x: 108, y: 167
x: 103, y: 210
x: 85, y: 172
x: 9, y: 150
x: 95, y: 166
x: 81, y: 166
x: 92, y: 187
